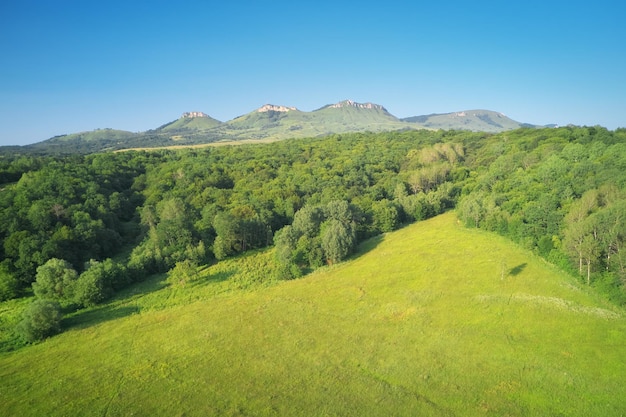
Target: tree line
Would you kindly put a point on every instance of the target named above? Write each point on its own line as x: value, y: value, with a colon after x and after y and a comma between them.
x: 560, y: 192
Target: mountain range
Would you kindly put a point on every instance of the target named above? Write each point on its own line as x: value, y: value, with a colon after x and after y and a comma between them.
x: 272, y: 122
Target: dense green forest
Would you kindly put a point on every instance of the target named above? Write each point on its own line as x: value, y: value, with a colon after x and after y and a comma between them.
x: 76, y: 229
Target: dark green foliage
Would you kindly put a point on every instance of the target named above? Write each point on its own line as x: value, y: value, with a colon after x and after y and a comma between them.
x: 41, y: 319
x: 318, y: 235
x: 9, y: 285
x: 99, y: 281
x: 75, y: 208
x: 286, y: 255
x: 385, y: 216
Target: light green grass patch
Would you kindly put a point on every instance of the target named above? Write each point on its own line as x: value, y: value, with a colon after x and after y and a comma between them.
x: 434, y: 319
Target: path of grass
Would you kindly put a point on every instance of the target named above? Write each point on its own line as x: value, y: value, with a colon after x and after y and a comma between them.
x: 434, y: 319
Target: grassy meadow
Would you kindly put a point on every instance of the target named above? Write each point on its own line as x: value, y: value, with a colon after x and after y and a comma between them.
x: 433, y: 319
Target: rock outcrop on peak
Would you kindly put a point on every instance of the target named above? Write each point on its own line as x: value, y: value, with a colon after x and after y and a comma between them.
x: 272, y: 107
x: 193, y: 114
x: 350, y: 103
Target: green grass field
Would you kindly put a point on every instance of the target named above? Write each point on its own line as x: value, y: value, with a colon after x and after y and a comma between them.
x: 434, y: 319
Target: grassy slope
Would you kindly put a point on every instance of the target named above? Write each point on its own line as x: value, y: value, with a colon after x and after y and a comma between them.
x: 308, y: 124
x: 475, y: 120
x: 95, y: 135
x: 191, y: 124
x: 433, y: 319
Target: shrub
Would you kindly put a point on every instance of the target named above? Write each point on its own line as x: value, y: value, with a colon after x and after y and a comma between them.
x: 41, y: 319
x: 99, y: 282
x: 184, y: 272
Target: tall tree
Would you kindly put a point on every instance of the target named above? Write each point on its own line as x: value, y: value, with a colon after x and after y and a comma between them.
x: 55, y: 280
x: 338, y: 240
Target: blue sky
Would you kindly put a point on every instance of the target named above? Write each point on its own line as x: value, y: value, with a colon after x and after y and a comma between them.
x: 70, y: 66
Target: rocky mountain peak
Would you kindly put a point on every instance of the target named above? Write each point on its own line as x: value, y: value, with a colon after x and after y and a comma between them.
x: 350, y: 103
x: 272, y: 107
x: 192, y: 114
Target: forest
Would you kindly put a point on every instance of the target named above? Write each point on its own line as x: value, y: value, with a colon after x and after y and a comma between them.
x: 76, y: 229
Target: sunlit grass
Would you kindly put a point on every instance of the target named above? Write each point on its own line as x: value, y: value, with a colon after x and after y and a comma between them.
x: 434, y: 319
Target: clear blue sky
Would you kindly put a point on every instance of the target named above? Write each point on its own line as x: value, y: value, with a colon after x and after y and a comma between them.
x: 70, y: 66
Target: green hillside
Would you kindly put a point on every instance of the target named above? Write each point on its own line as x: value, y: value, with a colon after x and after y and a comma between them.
x: 475, y: 120
x: 262, y: 123
x: 83, y: 142
x: 190, y: 124
x: 345, y: 116
x: 352, y: 116
x: 433, y: 319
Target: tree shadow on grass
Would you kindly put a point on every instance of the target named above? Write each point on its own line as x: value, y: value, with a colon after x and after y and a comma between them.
x: 368, y: 245
x: 212, y: 278
x: 98, y: 315
x: 117, y: 307
x: 150, y: 284
x: 517, y: 270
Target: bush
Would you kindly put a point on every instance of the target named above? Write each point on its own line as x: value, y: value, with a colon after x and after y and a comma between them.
x: 184, y: 272
x: 41, y: 319
x: 99, y: 282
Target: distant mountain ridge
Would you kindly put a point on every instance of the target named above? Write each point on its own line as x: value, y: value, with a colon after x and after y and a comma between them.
x: 475, y: 120
x: 272, y: 122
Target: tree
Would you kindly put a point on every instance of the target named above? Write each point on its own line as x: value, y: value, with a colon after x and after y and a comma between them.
x: 41, y: 319
x: 173, y: 230
x: 580, y: 236
x: 307, y: 220
x: 385, y: 216
x: 471, y: 209
x: 99, y: 281
x: 225, y: 226
x: 55, y: 280
x: 339, y: 210
x: 590, y: 251
x: 574, y: 241
x: 338, y: 240
x: 285, y: 245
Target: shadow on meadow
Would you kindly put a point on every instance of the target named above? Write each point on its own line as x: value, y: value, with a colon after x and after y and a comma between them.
x: 98, y: 315
x: 517, y: 270
x: 207, y: 279
x: 368, y: 245
x: 117, y: 307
